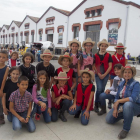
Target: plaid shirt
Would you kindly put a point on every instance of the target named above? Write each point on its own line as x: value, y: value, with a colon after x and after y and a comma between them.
x: 21, y: 103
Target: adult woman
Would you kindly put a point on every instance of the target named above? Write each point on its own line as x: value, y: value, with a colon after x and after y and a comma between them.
x: 127, y: 101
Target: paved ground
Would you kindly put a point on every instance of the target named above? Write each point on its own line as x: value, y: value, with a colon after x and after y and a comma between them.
x: 97, y: 128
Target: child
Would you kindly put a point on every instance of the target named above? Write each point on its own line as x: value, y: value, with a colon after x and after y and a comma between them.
x: 61, y: 97
x: 10, y: 86
x: 46, y: 65
x: 118, y: 57
x: 127, y: 101
x: 84, y: 96
x: 38, y: 55
x: 112, y: 91
x: 103, y: 65
x: 21, y: 106
x: 86, y: 59
x: 65, y: 61
x: 14, y: 61
x: 28, y: 69
x: 41, y: 97
x: 3, y: 76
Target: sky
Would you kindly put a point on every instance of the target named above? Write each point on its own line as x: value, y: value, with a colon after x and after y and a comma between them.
x: 18, y: 9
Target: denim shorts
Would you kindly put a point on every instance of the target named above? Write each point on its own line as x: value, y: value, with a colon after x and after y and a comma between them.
x: 112, y: 76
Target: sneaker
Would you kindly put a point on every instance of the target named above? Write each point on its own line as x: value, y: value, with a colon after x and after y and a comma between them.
x: 37, y: 117
x: 122, y: 134
x: 62, y: 117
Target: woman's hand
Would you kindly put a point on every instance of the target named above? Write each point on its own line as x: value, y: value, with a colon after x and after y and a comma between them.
x: 5, y: 110
x: 101, y: 76
x: 73, y: 107
x: 115, y: 113
x: 22, y: 120
x: 116, y: 105
x: 86, y: 114
x: 49, y: 111
x: 27, y: 120
x: 107, y: 91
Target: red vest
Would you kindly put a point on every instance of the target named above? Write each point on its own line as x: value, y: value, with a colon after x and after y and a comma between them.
x: 69, y: 74
x: 116, y: 61
x: 55, y: 89
x: 98, y: 62
x: 86, y: 95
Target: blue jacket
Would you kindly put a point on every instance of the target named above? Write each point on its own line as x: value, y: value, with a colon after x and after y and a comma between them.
x: 132, y: 91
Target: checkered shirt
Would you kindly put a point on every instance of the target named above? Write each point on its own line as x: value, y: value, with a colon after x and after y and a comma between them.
x: 21, y: 103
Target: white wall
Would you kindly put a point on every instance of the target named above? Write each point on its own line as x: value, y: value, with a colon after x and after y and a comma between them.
x: 111, y: 10
x: 60, y: 19
x: 133, y: 32
x: 4, y: 33
x: 15, y: 31
x: 32, y: 26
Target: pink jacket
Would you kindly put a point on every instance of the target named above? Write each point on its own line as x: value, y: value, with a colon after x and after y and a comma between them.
x: 34, y: 94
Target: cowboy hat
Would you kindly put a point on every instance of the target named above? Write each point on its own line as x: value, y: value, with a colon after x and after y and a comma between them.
x: 104, y: 41
x: 88, y: 40
x: 75, y: 41
x: 62, y: 76
x: 66, y: 55
x: 133, y: 69
x: 120, y: 45
x: 46, y: 53
x: 88, y: 71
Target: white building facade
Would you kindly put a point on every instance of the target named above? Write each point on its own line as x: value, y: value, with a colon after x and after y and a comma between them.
x: 115, y: 20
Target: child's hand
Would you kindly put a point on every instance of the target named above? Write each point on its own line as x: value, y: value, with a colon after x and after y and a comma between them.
x: 43, y: 105
x: 22, y: 120
x: 86, y: 114
x: 49, y: 111
x: 27, y: 120
x: 5, y: 110
x: 73, y: 107
x: 107, y: 91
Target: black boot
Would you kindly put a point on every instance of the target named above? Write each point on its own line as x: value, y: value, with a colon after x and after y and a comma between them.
x: 96, y: 107
x: 103, y: 110
x: 62, y: 117
x: 77, y: 114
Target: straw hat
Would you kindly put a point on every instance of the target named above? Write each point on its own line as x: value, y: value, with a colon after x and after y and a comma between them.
x: 66, y: 55
x: 15, y: 53
x: 104, y: 41
x: 88, y: 71
x: 129, y: 67
x: 75, y: 41
x: 46, y: 53
x: 88, y: 40
x: 120, y: 45
x: 62, y: 76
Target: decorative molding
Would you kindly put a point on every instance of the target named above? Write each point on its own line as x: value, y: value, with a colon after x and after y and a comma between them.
x: 50, y: 28
x: 25, y: 32
x: 94, y: 8
x: 32, y: 32
x: 76, y: 25
x: 60, y: 27
x: 40, y: 30
x: 113, y: 20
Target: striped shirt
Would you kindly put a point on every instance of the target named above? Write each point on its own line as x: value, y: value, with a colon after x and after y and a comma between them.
x: 21, y: 103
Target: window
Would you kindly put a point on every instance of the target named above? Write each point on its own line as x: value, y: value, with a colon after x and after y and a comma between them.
x: 32, y: 38
x: 93, y: 13
x: 76, y: 33
x: 113, y: 33
x: 50, y: 20
x: 60, y: 36
x: 88, y: 14
x: 13, y: 29
x: 26, y: 26
x: 21, y: 38
x: 99, y: 12
x: 40, y: 35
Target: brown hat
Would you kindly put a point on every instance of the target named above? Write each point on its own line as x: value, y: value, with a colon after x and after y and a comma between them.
x: 75, y: 41
x: 88, y: 40
x: 66, y: 55
x: 120, y: 45
x: 15, y: 53
x: 104, y: 41
x: 46, y: 53
x: 62, y: 76
x: 133, y: 69
x: 88, y: 71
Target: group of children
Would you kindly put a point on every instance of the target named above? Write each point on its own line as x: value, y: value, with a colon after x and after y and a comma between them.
x: 69, y: 88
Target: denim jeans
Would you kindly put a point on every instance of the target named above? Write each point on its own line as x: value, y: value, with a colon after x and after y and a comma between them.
x: 9, y: 116
x: 101, y: 84
x: 84, y: 121
x: 104, y: 96
x: 130, y: 109
x: 1, y: 108
x: 65, y: 104
x: 37, y: 109
x: 18, y: 125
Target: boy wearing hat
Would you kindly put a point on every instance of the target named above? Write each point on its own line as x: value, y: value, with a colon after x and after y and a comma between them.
x: 65, y: 61
x: 46, y: 65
